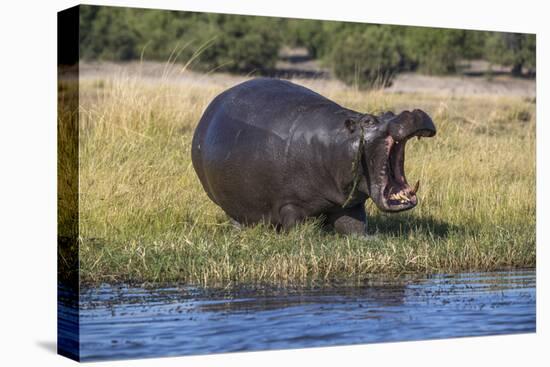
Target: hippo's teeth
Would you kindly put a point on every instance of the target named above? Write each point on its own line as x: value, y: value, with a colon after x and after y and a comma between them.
x: 418, y: 137
x: 396, y: 196
x: 400, y: 196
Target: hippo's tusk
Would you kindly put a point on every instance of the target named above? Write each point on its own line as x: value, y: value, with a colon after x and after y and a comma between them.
x: 415, y: 188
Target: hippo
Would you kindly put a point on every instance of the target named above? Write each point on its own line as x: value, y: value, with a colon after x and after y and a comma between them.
x: 271, y: 151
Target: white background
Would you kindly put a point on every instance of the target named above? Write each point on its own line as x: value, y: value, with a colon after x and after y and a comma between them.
x: 28, y: 182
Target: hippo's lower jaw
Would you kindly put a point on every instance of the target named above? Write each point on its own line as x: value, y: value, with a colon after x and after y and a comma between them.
x: 397, y: 194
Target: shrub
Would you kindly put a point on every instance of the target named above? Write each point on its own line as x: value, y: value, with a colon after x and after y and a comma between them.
x: 106, y: 34
x: 434, y: 50
x: 227, y: 42
x: 368, y: 58
x: 512, y: 49
x: 241, y: 44
x: 306, y: 33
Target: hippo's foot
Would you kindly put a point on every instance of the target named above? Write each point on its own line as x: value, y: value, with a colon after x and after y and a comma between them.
x: 290, y: 216
x: 235, y: 224
x: 349, y: 221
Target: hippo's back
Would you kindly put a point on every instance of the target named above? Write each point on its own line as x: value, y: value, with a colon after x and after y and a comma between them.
x: 243, y: 149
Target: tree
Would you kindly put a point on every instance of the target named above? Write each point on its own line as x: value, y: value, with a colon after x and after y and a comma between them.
x: 517, y: 50
x: 105, y: 33
x: 368, y: 58
x: 434, y: 50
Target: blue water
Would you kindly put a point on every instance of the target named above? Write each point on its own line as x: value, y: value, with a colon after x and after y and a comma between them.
x: 126, y: 322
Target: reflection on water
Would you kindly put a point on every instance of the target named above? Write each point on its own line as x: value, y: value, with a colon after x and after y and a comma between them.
x: 125, y: 322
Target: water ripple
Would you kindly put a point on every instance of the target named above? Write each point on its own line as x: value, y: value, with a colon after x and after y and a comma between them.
x: 128, y: 322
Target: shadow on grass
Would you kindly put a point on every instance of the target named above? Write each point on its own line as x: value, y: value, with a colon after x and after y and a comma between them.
x: 48, y: 345
x: 398, y: 225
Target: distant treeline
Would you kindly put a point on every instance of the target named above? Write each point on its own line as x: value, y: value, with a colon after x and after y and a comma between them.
x: 362, y: 54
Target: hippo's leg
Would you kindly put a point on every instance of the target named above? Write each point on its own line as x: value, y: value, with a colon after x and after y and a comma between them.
x: 290, y: 215
x: 349, y: 220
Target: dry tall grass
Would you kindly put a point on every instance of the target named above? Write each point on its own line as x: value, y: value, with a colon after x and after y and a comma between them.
x: 145, y: 217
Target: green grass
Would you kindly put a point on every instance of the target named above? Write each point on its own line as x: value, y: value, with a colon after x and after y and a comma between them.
x: 145, y: 218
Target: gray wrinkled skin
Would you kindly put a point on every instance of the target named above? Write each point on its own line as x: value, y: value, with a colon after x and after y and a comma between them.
x: 269, y: 150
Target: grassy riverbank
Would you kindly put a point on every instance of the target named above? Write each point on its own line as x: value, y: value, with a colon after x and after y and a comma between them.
x: 145, y: 217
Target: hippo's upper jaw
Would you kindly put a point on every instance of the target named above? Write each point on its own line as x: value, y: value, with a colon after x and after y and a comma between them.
x: 389, y: 189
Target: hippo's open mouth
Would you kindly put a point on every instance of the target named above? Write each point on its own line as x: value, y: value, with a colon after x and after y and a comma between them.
x: 398, y: 195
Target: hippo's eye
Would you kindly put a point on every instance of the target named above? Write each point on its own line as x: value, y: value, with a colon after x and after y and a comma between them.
x: 369, y: 120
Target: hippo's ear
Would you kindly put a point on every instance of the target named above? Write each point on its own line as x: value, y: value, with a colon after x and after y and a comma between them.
x: 387, y: 115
